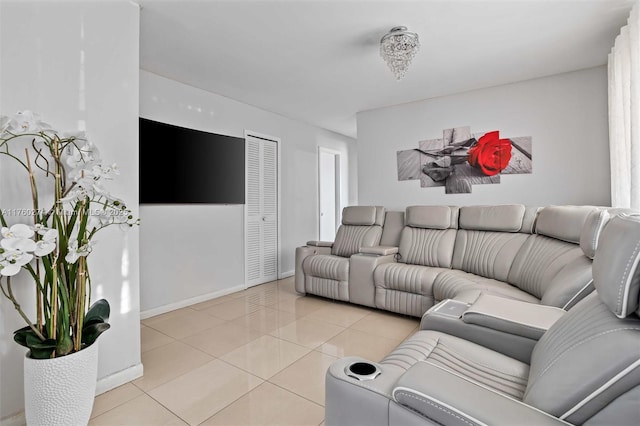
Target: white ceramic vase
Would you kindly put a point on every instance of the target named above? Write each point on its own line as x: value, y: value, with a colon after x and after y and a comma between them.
x: 60, y: 391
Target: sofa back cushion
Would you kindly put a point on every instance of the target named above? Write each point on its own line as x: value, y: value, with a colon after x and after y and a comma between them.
x: 488, y: 239
x: 616, y: 268
x: 551, y: 264
x: 428, y: 236
x: 563, y: 222
x: 392, y: 228
x: 432, y: 217
x: 586, y: 360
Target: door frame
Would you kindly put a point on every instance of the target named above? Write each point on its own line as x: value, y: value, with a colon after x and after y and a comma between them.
x: 338, y: 185
x: 258, y: 135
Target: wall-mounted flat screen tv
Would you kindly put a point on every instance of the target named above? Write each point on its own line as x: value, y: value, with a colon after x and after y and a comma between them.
x: 179, y: 165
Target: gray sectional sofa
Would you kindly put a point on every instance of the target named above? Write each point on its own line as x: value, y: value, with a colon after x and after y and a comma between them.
x: 583, y: 367
x: 406, y: 262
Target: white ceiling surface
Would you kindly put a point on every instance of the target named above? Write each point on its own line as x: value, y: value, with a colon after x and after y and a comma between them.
x: 318, y: 61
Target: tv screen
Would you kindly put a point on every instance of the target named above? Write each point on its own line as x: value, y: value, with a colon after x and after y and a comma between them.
x: 186, y: 166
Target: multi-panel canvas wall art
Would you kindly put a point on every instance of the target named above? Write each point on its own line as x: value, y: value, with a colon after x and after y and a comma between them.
x: 461, y: 159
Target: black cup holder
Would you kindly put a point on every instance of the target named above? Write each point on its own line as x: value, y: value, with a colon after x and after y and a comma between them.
x: 362, y: 371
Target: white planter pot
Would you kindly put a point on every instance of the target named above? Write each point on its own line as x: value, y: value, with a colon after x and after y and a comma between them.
x: 60, y: 391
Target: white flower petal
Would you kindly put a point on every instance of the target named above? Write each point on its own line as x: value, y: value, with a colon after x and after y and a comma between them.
x: 9, y: 269
x: 43, y: 248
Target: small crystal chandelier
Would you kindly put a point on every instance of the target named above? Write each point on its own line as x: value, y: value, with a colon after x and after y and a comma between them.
x: 397, y: 48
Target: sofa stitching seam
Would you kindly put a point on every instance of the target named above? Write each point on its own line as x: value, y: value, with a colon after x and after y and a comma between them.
x: 437, y: 406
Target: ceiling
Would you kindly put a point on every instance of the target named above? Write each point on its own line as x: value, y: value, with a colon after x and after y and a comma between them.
x: 318, y: 61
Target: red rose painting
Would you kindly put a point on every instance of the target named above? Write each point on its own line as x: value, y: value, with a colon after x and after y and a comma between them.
x: 491, y: 154
x: 461, y: 159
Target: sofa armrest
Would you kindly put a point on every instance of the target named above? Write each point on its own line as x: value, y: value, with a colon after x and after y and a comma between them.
x: 302, y: 253
x: 512, y: 316
x: 450, y: 399
x: 362, y: 289
x: 379, y: 250
x: 449, y: 321
x: 320, y: 243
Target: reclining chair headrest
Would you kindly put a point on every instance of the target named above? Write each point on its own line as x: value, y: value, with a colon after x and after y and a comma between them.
x: 499, y: 218
x: 432, y: 217
x: 363, y: 215
x: 616, y: 274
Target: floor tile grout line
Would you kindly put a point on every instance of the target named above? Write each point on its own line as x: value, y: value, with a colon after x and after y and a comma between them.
x: 294, y: 392
x: 168, y: 409
x: 286, y: 366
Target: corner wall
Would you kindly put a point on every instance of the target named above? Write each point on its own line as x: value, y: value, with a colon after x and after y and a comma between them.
x: 565, y: 114
x: 191, y: 253
x: 65, y: 61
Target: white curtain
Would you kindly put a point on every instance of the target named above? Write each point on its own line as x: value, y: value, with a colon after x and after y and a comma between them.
x: 624, y: 114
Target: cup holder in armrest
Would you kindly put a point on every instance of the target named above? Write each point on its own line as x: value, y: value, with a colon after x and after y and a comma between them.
x: 362, y: 371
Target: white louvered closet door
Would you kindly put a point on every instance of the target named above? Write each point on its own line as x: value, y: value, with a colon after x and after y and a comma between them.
x: 262, y: 210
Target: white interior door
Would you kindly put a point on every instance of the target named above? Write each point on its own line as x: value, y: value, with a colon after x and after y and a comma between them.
x: 329, y: 200
x: 261, y: 244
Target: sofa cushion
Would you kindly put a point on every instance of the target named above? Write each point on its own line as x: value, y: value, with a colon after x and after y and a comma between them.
x: 327, y: 266
x: 427, y: 247
x: 616, y: 271
x: 407, y: 278
x: 449, y: 284
x: 586, y: 359
x: 563, y: 222
x: 503, y: 218
x: 474, y: 362
x: 359, y: 215
x: 485, y: 253
x: 393, y: 225
x: 539, y: 260
x: 529, y: 219
x: 591, y: 231
x: 350, y: 238
x: 432, y: 217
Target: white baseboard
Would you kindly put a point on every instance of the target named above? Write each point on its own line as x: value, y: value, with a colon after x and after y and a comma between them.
x: 287, y: 274
x: 120, y: 378
x: 191, y: 301
x: 17, y: 420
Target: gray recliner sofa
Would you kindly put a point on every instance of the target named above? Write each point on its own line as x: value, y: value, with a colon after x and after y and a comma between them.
x: 584, y: 370
x: 322, y: 267
x: 532, y: 254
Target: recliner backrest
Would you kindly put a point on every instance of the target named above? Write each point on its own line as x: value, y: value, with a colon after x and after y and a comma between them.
x: 489, y: 238
x: 361, y: 227
x: 554, y: 264
x: 591, y: 356
x: 428, y: 236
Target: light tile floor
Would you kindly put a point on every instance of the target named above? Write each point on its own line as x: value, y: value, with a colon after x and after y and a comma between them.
x: 256, y: 357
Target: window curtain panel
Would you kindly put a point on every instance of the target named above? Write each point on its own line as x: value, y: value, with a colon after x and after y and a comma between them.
x: 624, y: 114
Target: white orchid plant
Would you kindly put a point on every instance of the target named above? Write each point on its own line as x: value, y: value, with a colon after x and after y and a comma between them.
x: 52, y: 243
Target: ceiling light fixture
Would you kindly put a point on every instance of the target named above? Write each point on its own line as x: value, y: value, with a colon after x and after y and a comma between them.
x: 397, y: 48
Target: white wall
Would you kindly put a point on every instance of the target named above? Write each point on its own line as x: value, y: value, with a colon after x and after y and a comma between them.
x: 66, y: 62
x: 566, y: 116
x: 195, y: 252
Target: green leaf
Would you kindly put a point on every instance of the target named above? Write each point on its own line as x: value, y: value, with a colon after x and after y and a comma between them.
x: 97, y: 313
x: 91, y: 332
x: 38, y: 349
